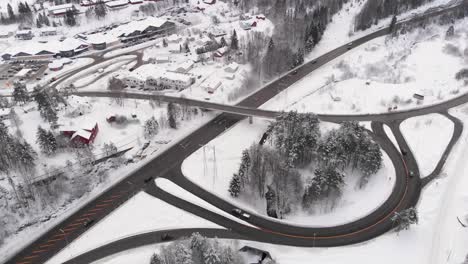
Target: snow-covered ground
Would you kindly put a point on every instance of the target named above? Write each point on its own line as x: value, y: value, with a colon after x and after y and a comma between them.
x: 228, y: 148
x: 142, y: 213
x: 341, y: 29
x: 386, y: 73
x: 435, y: 130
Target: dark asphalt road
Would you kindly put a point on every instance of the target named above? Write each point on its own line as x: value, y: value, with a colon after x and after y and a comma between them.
x: 405, y: 194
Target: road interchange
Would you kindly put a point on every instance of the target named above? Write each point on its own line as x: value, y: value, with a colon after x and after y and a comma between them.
x: 405, y: 194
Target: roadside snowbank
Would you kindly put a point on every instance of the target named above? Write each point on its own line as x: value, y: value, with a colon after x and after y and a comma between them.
x: 428, y: 137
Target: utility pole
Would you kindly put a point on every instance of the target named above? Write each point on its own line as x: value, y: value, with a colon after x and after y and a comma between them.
x: 215, y: 168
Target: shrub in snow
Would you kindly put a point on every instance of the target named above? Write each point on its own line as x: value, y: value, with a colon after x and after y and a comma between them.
x: 453, y: 50
x: 151, y: 128
x: 462, y: 74
x: 404, y: 219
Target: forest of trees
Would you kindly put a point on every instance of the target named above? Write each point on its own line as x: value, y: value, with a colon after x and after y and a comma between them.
x: 299, y: 26
x: 295, y: 143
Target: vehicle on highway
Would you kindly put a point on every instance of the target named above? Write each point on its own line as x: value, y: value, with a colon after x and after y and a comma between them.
x: 404, y: 152
x: 165, y: 237
x: 88, y: 223
x: 314, y: 61
x: 411, y: 174
x: 294, y: 72
x: 149, y: 179
x: 100, y: 70
x: 350, y: 45
x: 239, y: 213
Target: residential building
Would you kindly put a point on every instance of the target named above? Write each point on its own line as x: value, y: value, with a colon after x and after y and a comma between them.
x: 174, y: 80
x: 24, y: 34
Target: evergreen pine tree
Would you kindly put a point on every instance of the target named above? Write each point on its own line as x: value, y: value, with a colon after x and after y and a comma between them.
x: 171, y: 115
x: 223, y: 42
x: 212, y: 256
x: 183, y: 255
x: 156, y: 259
x: 100, y: 9
x: 20, y: 94
x: 151, y: 128
x: 404, y: 219
x: 244, y: 167
x: 70, y: 18
x: 235, y: 185
x: 234, y: 41
x: 11, y: 14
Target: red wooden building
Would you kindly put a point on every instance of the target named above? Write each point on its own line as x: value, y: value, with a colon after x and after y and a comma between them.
x: 84, y: 136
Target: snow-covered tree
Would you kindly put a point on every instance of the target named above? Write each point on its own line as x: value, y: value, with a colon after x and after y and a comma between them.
x: 156, y: 259
x: 46, y: 141
x: 109, y: 149
x: 244, y: 168
x: 183, y: 254
x: 404, y: 219
x: 20, y: 93
x: 234, y: 41
x: 235, y: 185
x: 172, y: 115
x: 100, y: 9
x: 151, y: 128
x: 212, y: 255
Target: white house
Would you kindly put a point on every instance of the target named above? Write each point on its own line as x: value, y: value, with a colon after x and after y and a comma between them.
x: 230, y: 76
x: 232, y: 67
x: 48, y: 31
x: 183, y: 67
x: 60, y: 10
x: 174, y: 80
x: 211, y: 85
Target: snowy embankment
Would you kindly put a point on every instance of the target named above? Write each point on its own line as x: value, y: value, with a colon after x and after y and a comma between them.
x: 142, y: 213
x: 451, y: 237
x: 428, y: 137
x: 222, y: 156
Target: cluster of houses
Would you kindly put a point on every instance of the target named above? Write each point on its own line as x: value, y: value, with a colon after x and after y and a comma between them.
x: 69, y: 47
x: 153, y: 76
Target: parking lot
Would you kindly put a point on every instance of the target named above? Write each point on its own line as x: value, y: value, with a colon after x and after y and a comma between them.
x: 21, y: 71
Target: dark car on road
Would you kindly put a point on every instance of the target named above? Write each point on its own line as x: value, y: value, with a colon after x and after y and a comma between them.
x: 147, y: 180
x: 165, y: 237
x: 239, y: 213
x: 88, y: 223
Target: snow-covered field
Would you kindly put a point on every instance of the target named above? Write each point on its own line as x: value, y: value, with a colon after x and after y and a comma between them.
x: 435, y: 130
x: 386, y: 73
x: 228, y: 148
x: 142, y: 213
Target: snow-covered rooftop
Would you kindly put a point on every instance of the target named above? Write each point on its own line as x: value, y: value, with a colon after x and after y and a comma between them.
x: 139, y: 25
x: 60, y: 7
x: 176, y: 77
x: 82, y: 133
x: 117, y: 3
x: 53, y: 46
x: 22, y: 72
